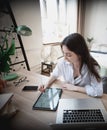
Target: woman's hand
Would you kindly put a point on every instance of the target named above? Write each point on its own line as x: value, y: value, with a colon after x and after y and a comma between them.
x: 73, y: 88
x: 67, y: 86
x: 41, y: 88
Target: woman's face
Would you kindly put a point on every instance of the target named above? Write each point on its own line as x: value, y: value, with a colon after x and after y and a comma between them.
x: 70, y: 56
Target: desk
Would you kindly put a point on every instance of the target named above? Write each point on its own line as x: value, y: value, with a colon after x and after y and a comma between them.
x: 27, y: 118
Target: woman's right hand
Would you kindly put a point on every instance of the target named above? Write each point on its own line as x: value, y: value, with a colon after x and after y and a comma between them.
x: 42, y: 88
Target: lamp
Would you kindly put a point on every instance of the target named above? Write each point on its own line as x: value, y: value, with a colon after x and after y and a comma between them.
x: 24, y: 30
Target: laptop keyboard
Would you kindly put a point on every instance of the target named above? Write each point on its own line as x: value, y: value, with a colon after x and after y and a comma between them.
x: 90, y: 115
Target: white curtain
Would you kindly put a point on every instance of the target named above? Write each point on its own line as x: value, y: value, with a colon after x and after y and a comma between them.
x: 59, y: 18
x: 81, y: 16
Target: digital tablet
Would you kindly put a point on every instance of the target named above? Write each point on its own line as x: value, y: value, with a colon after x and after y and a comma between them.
x: 48, y: 100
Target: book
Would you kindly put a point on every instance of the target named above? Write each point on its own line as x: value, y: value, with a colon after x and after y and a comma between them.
x: 4, y: 99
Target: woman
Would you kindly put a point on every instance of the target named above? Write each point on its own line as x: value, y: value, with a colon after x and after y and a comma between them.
x: 78, y: 69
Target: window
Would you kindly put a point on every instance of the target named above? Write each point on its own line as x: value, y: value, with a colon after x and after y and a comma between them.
x: 58, y: 18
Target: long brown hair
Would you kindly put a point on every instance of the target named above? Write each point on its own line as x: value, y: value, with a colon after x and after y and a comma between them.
x: 76, y: 43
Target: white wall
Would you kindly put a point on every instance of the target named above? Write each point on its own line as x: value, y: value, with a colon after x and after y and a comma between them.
x: 96, y: 27
x: 27, y: 12
x: 96, y: 20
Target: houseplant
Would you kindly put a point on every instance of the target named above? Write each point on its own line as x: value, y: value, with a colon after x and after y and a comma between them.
x: 6, y: 50
x: 90, y: 42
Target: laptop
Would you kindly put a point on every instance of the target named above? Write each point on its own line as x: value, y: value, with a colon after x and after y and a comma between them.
x: 85, y: 114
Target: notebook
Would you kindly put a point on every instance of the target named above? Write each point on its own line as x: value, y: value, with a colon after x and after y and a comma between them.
x: 4, y: 99
x: 85, y: 114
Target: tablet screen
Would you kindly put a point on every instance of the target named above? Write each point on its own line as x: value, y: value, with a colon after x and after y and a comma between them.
x: 48, y: 100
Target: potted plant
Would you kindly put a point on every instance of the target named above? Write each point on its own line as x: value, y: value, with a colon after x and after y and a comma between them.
x: 90, y: 42
x: 6, y: 50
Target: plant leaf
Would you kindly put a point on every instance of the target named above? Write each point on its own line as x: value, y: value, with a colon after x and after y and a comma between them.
x: 11, y: 50
x: 4, y: 66
x: 5, y: 59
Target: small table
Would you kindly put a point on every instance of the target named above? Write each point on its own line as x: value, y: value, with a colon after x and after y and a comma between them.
x: 47, y: 68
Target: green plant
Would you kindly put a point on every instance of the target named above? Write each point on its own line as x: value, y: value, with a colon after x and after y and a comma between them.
x: 6, y: 50
x: 90, y: 42
x: 7, y: 45
x: 90, y: 39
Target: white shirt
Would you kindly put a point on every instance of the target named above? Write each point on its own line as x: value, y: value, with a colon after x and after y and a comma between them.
x: 64, y: 70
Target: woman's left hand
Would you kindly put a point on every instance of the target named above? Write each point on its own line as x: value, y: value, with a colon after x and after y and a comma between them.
x: 69, y: 87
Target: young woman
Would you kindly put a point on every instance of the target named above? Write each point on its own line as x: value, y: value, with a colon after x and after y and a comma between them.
x: 78, y: 69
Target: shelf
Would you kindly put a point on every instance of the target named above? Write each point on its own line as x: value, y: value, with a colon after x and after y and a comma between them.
x: 46, y: 68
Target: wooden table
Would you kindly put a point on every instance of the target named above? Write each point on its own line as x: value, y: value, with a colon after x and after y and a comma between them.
x: 27, y: 118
